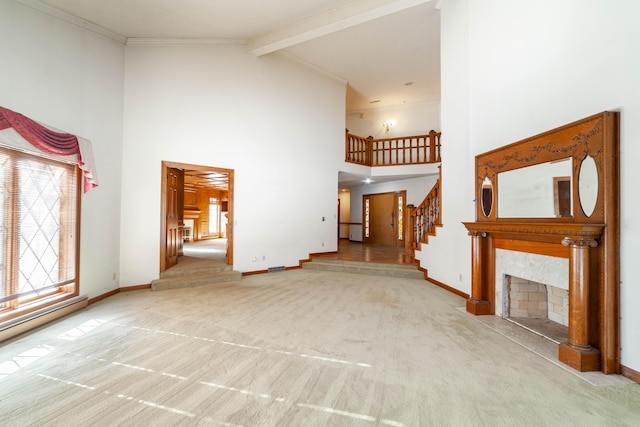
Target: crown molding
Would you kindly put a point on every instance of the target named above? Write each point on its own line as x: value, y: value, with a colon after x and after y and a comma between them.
x: 178, y: 41
x: 308, y: 64
x: 73, y: 20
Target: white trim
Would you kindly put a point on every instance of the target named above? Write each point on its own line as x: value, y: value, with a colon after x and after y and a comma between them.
x: 74, y: 20
x: 314, y: 67
x: 159, y: 41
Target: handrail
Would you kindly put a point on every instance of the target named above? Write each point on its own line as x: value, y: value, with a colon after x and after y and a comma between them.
x: 427, y: 216
x: 403, y: 150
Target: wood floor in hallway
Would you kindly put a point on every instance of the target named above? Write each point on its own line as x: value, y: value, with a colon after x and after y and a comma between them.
x: 357, y: 251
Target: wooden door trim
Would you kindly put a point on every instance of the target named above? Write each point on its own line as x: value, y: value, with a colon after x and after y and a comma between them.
x: 163, y: 206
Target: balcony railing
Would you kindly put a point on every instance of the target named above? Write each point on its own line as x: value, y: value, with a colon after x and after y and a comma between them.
x: 403, y: 150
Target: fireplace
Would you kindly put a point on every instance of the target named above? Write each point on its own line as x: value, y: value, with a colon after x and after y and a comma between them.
x: 540, y: 308
x: 585, y: 242
x: 531, y: 290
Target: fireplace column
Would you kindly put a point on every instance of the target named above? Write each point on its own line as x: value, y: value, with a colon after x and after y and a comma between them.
x: 477, y: 304
x: 577, y: 352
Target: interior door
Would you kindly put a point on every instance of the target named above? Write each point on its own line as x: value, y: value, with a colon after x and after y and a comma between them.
x: 382, y: 221
x: 175, y: 179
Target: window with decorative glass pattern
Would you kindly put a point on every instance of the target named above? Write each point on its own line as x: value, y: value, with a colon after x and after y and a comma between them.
x: 39, y: 205
x: 400, y: 217
x: 366, y: 217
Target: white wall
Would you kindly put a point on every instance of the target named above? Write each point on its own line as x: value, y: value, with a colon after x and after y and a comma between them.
x: 530, y: 67
x: 72, y: 79
x: 278, y: 125
x: 447, y: 257
x: 345, y: 213
x: 410, y: 119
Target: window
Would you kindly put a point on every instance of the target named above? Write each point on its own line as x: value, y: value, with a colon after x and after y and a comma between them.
x: 400, y: 217
x: 39, y: 204
x: 366, y: 218
x: 214, y: 215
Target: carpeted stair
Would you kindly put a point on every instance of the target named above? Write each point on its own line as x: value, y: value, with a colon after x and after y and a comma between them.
x: 372, y: 268
x: 196, y: 276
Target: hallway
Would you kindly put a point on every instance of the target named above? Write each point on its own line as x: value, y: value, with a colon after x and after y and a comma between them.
x: 209, y: 252
x: 212, y: 249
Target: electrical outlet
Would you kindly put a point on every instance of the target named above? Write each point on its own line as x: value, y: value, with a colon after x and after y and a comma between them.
x: 254, y: 259
x: 113, y: 277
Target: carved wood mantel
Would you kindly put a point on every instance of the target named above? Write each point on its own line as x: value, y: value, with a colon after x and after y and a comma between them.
x: 536, y: 238
x: 588, y: 237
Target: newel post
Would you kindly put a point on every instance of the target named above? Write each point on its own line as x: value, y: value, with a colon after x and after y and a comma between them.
x: 369, y: 161
x: 347, y: 149
x: 576, y: 351
x: 476, y: 304
x: 408, y: 233
x: 432, y: 146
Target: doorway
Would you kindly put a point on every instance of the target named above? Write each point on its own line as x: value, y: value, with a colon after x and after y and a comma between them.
x: 383, y: 218
x: 187, y: 193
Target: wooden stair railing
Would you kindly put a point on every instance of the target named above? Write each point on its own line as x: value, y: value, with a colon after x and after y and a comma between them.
x: 403, y: 150
x: 426, y: 217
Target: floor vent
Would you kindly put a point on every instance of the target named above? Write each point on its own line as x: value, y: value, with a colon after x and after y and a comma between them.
x: 274, y: 269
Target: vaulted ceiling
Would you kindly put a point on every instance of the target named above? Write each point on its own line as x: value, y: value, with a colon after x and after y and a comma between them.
x: 387, y: 51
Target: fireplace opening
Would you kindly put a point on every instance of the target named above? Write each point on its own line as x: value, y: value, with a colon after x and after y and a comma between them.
x: 541, y: 308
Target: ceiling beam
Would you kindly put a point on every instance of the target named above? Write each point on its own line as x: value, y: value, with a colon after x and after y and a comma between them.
x: 354, y: 13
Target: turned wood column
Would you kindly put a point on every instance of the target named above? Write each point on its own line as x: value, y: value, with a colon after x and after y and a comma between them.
x: 576, y: 351
x: 476, y: 304
x: 409, y: 233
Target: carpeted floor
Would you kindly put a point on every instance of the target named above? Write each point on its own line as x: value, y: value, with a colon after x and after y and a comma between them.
x: 295, y: 348
x: 213, y: 249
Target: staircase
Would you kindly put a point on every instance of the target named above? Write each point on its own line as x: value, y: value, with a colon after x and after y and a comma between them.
x: 195, y: 274
x: 371, y: 268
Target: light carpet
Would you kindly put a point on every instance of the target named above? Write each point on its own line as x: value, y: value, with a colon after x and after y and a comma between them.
x: 295, y: 348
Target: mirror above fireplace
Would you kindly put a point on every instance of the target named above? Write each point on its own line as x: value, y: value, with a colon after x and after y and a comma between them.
x: 542, y: 190
x: 556, y: 194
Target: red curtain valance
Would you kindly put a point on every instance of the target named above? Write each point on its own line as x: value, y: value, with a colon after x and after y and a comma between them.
x: 50, y: 141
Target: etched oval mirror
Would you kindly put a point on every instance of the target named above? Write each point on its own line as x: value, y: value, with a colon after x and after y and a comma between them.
x: 487, y: 196
x: 588, y: 185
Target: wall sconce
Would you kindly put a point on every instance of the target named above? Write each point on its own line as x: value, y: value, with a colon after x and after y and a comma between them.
x: 389, y: 124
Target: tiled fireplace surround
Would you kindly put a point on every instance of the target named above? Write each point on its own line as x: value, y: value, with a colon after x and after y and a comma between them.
x: 532, y: 290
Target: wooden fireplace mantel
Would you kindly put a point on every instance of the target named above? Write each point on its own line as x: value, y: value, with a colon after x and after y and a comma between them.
x: 537, y: 232
x: 543, y: 239
x: 584, y: 228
